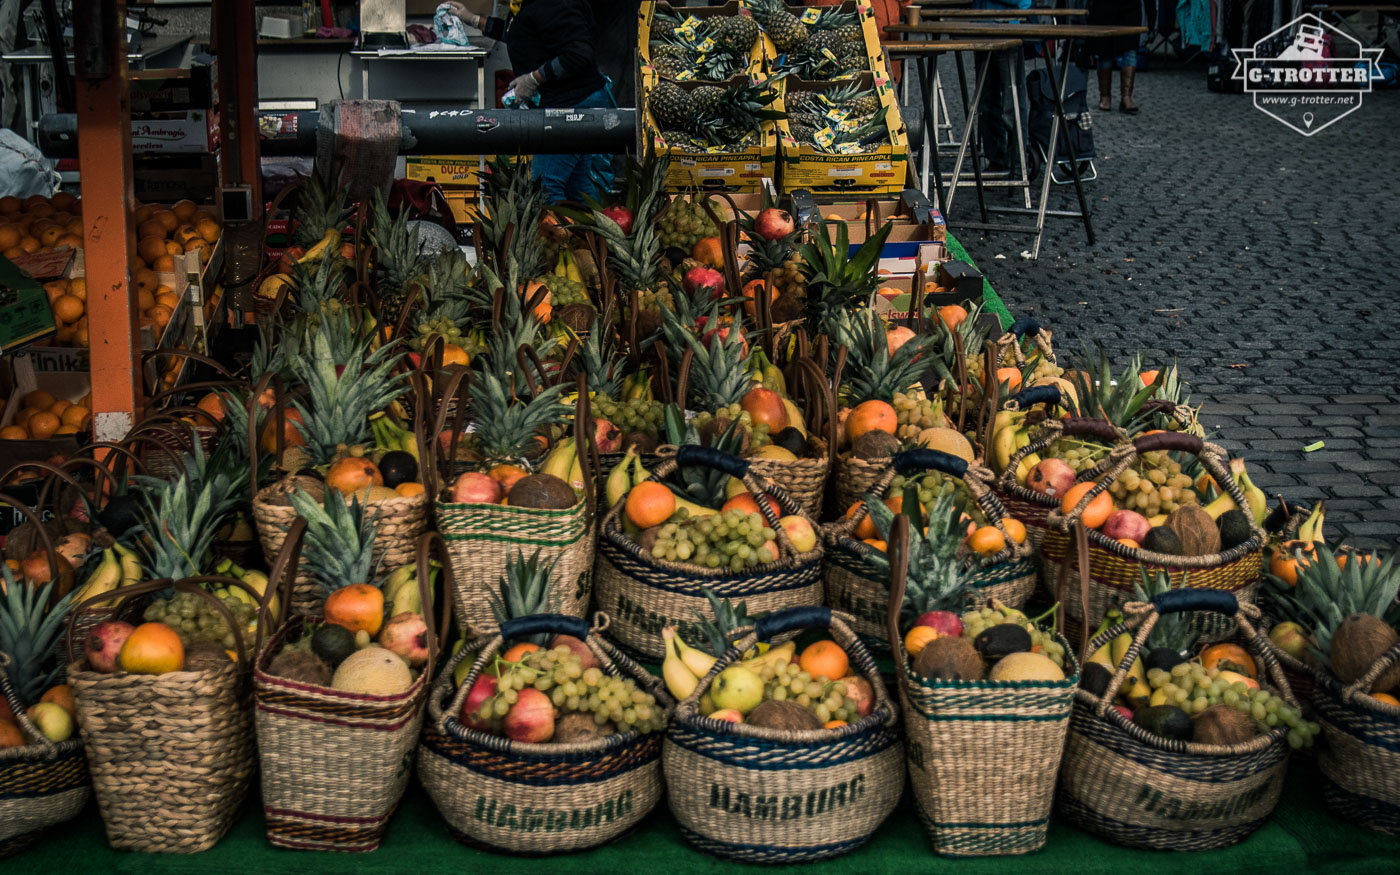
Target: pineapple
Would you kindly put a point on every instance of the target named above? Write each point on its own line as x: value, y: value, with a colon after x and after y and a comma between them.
x: 29, y: 630
x: 339, y: 539
x: 318, y: 284
x: 729, y: 618
x: 1172, y: 631
x: 524, y: 590
x: 836, y: 281
x: 671, y: 107
x: 398, y: 263
x: 1327, y: 593
x: 341, y: 397
x: 738, y: 33
x: 507, y: 429
x: 936, y: 579
x: 636, y: 262
x: 180, y: 518
x: 720, y: 376
x: 319, y: 209
x: 785, y: 29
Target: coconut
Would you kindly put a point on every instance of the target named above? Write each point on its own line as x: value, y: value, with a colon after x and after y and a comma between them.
x: 1196, y: 529
x: 310, y: 485
x: 787, y: 307
x: 949, y: 659
x: 205, y: 656
x: 542, y: 491
x: 373, y: 671
x: 782, y: 714
x: 302, y: 667
x: 1222, y: 725
x: 875, y: 444
x: 577, y: 727
x: 578, y: 318
x: 1359, y: 641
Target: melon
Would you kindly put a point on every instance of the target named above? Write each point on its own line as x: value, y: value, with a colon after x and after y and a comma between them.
x: 373, y: 671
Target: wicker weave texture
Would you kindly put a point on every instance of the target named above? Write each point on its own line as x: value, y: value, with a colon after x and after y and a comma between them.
x: 853, y: 477
x: 1360, y: 760
x: 40, y: 784
x: 803, y: 479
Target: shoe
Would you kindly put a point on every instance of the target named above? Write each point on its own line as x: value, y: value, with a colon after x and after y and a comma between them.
x: 1130, y: 110
x: 1105, y: 106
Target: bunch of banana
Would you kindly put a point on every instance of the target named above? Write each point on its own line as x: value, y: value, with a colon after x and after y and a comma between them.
x: 767, y: 374
x: 1311, y: 529
x: 685, y: 666
x: 119, y: 567
x: 255, y: 579
x: 1257, y: 501
x: 636, y: 386
x: 629, y: 472
x: 1134, y: 691
x: 563, y: 463
x: 401, y: 592
x: 567, y: 267
x: 389, y: 434
x: 1009, y: 434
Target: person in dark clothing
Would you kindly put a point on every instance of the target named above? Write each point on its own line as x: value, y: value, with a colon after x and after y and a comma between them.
x: 551, y: 45
x: 1119, y: 51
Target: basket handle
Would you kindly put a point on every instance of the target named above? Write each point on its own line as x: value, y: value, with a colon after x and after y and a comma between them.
x: 922, y: 459
x: 771, y: 625
x: 709, y: 457
x: 1028, y: 397
x: 899, y: 574
x: 17, y: 709
x: 1024, y: 325
x: 431, y: 542
x: 1178, y: 441
x: 56, y: 563
x: 1179, y: 601
x: 283, y: 575
x: 1379, y: 667
x: 190, y: 584
x: 521, y: 627
x: 1085, y: 426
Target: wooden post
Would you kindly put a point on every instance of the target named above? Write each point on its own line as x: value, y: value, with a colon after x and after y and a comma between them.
x: 236, y: 46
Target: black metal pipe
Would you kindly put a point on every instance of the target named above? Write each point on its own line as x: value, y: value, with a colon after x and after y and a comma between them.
x: 429, y: 129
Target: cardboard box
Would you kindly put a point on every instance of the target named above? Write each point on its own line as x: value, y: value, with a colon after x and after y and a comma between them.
x: 463, y: 203
x: 880, y: 171
x: 174, y: 90
x: 762, y: 46
x: 743, y: 170
x: 913, y: 219
x: 457, y: 171
x: 169, y: 178
x: 67, y: 385
x: 194, y: 132
x: 773, y: 60
x: 25, y: 314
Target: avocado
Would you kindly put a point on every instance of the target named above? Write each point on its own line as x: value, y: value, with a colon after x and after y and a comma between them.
x: 1162, y: 657
x: 1167, y: 721
x: 1094, y: 677
x: 1002, y: 639
x: 791, y: 440
x: 332, y: 644
x: 397, y: 467
x: 1234, y: 528
x: 1162, y: 540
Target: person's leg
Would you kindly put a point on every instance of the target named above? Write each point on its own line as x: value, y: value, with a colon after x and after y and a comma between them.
x: 552, y: 174
x: 1105, y: 84
x: 994, y: 120
x: 1127, y: 72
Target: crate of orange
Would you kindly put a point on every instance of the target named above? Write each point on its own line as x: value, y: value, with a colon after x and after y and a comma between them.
x: 996, y: 549
x: 774, y: 759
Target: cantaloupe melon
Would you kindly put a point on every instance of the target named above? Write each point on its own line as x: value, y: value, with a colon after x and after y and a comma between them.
x: 373, y: 671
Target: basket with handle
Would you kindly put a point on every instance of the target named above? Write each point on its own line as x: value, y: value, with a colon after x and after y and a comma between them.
x: 858, y: 583
x: 334, y: 763
x: 643, y: 593
x: 1135, y: 788
x: 531, y: 799
x: 950, y: 723
x: 171, y: 755
x: 1107, y: 569
x: 765, y: 795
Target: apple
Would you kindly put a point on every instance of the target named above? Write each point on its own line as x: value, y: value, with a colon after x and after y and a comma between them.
x: 1126, y: 524
x: 474, y: 487
x: 946, y: 623
x: 104, y: 644
x: 483, y: 689
x: 1052, y: 477
x: 703, y: 277
x: 607, y: 436
x: 1125, y: 711
x: 53, y: 720
x: 773, y: 224
x: 799, y: 532
x: 1291, y: 639
x: 897, y: 337
x: 531, y: 718
x: 728, y: 715
x: 407, y: 635
x: 859, y: 691
x: 737, y: 687
x: 765, y: 407
x: 1234, y: 677
x: 579, y: 648
x: 621, y: 215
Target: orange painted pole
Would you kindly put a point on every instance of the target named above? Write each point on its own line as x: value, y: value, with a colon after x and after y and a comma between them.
x: 104, y: 159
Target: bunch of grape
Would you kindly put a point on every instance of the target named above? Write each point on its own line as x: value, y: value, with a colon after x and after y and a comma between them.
x: 194, y: 619
x: 440, y: 326
x: 784, y: 680
x: 1079, y: 455
x: 1154, y: 484
x: 732, y: 539
x: 931, y: 485
x: 758, y: 434
x: 573, y: 688
x: 915, y: 413
x: 657, y: 299
x: 788, y: 277
x: 1193, y: 689
x: 684, y: 225
x: 564, y: 291
x: 634, y: 414
x: 977, y: 621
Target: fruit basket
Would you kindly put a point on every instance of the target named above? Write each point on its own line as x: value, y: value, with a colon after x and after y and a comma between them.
x: 1217, y: 545
x: 783, y: 788
x: 170, y: 745
x: 956, y: 708
x: 857, y: 571
x: 334, y: 749
x: 530, y: 791
x: 1184, y: 784
x: 644, y: 591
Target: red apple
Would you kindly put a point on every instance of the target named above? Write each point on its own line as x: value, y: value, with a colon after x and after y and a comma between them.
x: 773, y: 224
x: 897, y: 337
x: 621, y: 215
x: 1126, y: 524
x: 407, y: 635
x: 476, y: 488
x: 1052, y: 477
x: 800, y: 533
x: 483, y: 689
x: 579, y: 648
x: 728, y: 715
x: 702, y: 277
x: 946, y: 623
x: 607, y: 436
x: 1125, y: 711
x: 531, y: 718
x: 765, y: 407
x: 860, y: 691
x: 104, y: 643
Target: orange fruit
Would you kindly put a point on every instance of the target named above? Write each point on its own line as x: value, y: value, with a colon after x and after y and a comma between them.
x: 49, y: 236
x: 204, y: 252
x: 507, y: 475
x: 76, y: 415
x: 67, y: 308
x: 145, y: 299
x: 13, y: 252
x: 174, y: 249
x: 63, y: 200
x: 410, y: 489
x: 30, y: 245
x: 353, y: 474
x: 952, y: 315
x: 208, y: 229
x: 1285, y: 562
x: 39, y: 400
x: 1230, y: 657
x: 184, y: 210
x: 870, y: 416
x: 160, y: 316
x: 150, y: 228
x: 9, y: 236
x: 10, y: 736
x: 13, y: 433
x: 917, y: 638
x: 825, y: 659
x: 357, y: 607
x: 151, y: 248
x: 707, y: 250
x: 833, y: 724
x: 43, y: 424
x: 877, y: 544
x: 1011, y: 377
x: 1386, y: 698
x: 1015, y: 528
x: 213, y: 405
x: 152, y: 648
x: 81, y: 338
x: 59, y: 406
x: 65, y: 429
x: 516, y: 652
x: 61, y: 695
x: 865, y: 529
x: 77, y: 287
x: 72, y: 241
x: 10, y: 204
x: 55, y: 290
x: 185, y: 234
x: 452, y: 354
x: 1098, y: 510
x: 167, y: 299
x: 746, y: 503
x: 987, y: 540
x: 650, y: 504
x: 146, y: 280
x: 166, y: 219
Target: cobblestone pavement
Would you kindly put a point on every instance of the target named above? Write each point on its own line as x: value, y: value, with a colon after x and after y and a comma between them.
x: 1262, y: 261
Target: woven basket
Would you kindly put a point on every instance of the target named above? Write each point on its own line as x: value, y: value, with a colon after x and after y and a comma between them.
x: 171, y: 755
x: 852, y: 477
x: 773, y: 796
x: 642, y: 594
x: 533, y: 799
x: 857, y: 576
x: 948, y: 724
x: 1362, y: 750
x: 1107, y: 569
x: 41, y: 784
x: 805, y: 479
x: 1138, y: 789
x: 335, y: 764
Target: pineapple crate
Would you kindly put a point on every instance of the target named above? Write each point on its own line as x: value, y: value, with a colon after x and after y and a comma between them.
x: 693, y: 21
x: 773, y: 11
x: 459, y: 177
x: 744, y: 169
x: 878, y: 171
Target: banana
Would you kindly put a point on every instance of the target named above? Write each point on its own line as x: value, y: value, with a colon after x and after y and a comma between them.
x: 331, y: 240
x: 773, y: 655
x: 1104, y: 655
x: 680, y: 680
x: 130, y: 564
x: 561, y: 459
x: 794, y: 416
x: 571, y: 267
x: 618, y: 483
x: 1254, y: 496
x: 639, y: 471
x: 1159, y: 697
x: 1311, y: 529
x: 104, y: 578
x: 698, y: 661
x: 1135, y: 690
x: 1003, y: 444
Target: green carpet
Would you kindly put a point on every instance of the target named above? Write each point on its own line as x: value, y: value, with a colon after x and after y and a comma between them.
x: 990, y: 299
x: 1302, y: 837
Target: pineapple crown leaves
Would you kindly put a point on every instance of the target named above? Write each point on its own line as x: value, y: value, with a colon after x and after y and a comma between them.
x: 341, y: 398
x: 871, y: 371
x: 599, y: 363
x: 720, y: 369
x: 524, y: 590
x: 970, y: 332
x: 700, y: 483
x: 398, y: 260
x: 513, y: 210
x: 316, y: 285
x: 1119, y: 398
x: 506, y: 429
x: 836, y: 281
x: 29, y: 629
x: 339, y: 539
x: 635, y: 259
x: 230, y: 452
x: 1326, y: 594
x: 320, y: 208
x: 180, y: 518
x: 728, y: 618
x: 1172, y: 631
x: 935, y: 580
x: 445, y: 288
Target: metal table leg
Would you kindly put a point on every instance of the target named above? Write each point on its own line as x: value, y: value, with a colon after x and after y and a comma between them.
x: 967, y: 130
x: 1061, y: 126
x: 1024, y: 180
x: 976, y: 138
x: 930, y: 132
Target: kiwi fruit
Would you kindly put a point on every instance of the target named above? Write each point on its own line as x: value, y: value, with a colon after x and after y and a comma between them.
x: 1162, y: 540
x: 542, y: 491
x: 1196, y: 529
x: 1357, y: 643
x: 1234, y: 528
x: 1001, y: 640
x: 875, y: 444
x: 577, y: 726
x: 950, y: 659
x: 302, y: 667
x: 1222, y: 725
x: 782, y: 714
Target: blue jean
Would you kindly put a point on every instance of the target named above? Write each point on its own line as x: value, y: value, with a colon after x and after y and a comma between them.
x: 1127, y: 59
x: 574, y: 177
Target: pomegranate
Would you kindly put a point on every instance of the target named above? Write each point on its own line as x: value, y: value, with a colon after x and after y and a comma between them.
x: 607, y: 436
x: 104, y: 644
x: 858, y: 690
x: 946, y: 623
x: 897, y: 337
x: 579, y: 648
x: 1126, y: 524
x: 765, y: 407
x: 621, y: 215
x: 702, y: 277
x: 1052, y: 477
x: 531, y: 718
x: 773, y: 224
x: 407, y: 635
x: 476, y: 488
x: 483, y: 689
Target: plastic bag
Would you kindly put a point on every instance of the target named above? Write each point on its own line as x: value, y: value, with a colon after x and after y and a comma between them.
x: 24, y: 171
x: 448, y: 27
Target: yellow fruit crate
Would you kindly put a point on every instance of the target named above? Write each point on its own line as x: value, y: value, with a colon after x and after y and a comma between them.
x: 713, y: 170
x: 646, y: 14
x: 462, y: 171
x: 869, y: 28
x: 880, y: 171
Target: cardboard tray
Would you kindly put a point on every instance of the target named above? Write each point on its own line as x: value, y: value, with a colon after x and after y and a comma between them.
x: 742, y: 171
x: 881, y: 171
x: 762, y: 46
